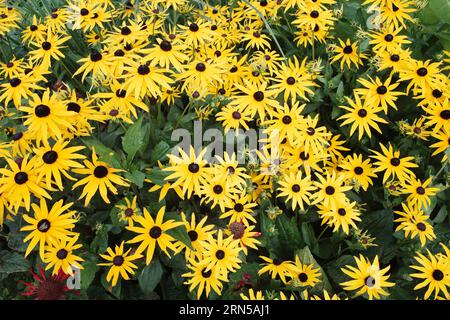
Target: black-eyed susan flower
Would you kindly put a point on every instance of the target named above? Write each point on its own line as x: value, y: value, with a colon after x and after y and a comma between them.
x: 361, y: 116
x: 253, y: 295
x: 202, y: 278
x: 46, y: 116
x: 99, y: 176
x: 245, y: 235
x: 20, y: 182
x: 55, y: 161
x: 330, y: 189
x: 221, y: 254
x: 48, y: 48
x: 343, y: 216
x: 392, y: 164
x: 414, y: 222
x: 296, y: 188
x: 120, y: 263
x: 359, y: 171
x: 377, y: 93
x: 188, y: 171
x: 433, y: 273
x: 388, y: 39
x: 304, y: 274
x: 152, y: 232
x: 240, y: 209
x: 47, y: 226
x: 198, y: 232
x: 348, y: 53
x: 18, y: 88
x: 277, y: 267
x: 234, y: 117
x: 60, y: 255
x: 367, y: 277
x: 419, y: 192
x: 128, y: 211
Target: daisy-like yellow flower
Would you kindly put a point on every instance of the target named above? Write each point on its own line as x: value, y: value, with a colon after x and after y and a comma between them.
x: 221, y: 254
x: 433, y: 272
x: 331, y: 189
x: 202, y: 278
x: 443, y: 137
x: 343, y: 216
x: 392, y: 164
x: 358, y: 170
x: 361, y: 116
x: 99, y: 177
x: 48, y: 48
x: 277, y: 267
x: 152, y: 232
x: 296, y: 188
x: 120, y: 263
x: 47, y: 226
x: 256, y: 99
x: 388, y: 39
x: 59, y: 255
x: 348, y: 54
x: 98, y: 63
x: 233, y: 117
x: 438, y: 115
x: 304, y: 274
x: 188, y: 171
x: 419, y: 192
x: 423, y: 75
x: 46, y: 117
x: 142, y: 79
x: 414, y: 222
x: 20, y: 182
x: 18, y: 88
x: 240, y: 209
x: 245, y: 235
x: 54, y: 161
x: 128, y: 211
x: 377, y: 93
x: 294, y: 80
x: 367, y: 278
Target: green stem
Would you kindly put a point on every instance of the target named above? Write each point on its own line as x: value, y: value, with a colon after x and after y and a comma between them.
x: 267, y: 26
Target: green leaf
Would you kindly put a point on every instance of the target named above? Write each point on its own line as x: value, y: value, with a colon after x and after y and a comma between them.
x: 159, y: 152
x: 441, y: 215
x: 289, y: 235
x: 134, y: 139
x: 137, y: 177
x: 150, y: 276
x: 105, y: 154
x: 12, y: 262
x: 87, y: 274
x: 157, y: 176
x: 180, y: 233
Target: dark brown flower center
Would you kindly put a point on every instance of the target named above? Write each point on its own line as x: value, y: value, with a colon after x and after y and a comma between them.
x: 395, y: 162
x: 193, y: 27
x: 21, y: 177
x: 341, y: 212
x: 220, y: 254
x: 100, y: 171
x: 422, y: 72
x: 73, y: 106
x: 445, y: 114
x: 358, y: 170
x: 438, y: 275
x: 348, y: 49
x: 125, y: 31
x: 238, y: 207
x: 217, y: 189
x: 42, y: 111
x: 206, y: 273
x: 155, y: 232
x: 165, y: 45
x: 96, y: 56
x: 193, y: 235
x: 290, y: 80
x: 287, y: 119
x: 118, y: 261
x: 46, y: 45
x: 329, y: 190
x: 43, y: 225
x: 295, y: 188
x: 200, y: 67
x: 193, y: 167
x: 388, y: 37
x: 62, y: 254
x: 314, y: 14
x: 362, y: 113
x: 143, y: 70
x: 14, y: 82
x: 258, y: 96
x: 303, y: 277
x: 50, y: 157
x: 370, y: 281
x: 381, y: 90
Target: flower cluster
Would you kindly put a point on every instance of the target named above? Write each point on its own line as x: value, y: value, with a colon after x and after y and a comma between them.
x: 356, y: 124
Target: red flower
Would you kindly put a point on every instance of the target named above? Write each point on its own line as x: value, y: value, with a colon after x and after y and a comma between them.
x: 52, y: 288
